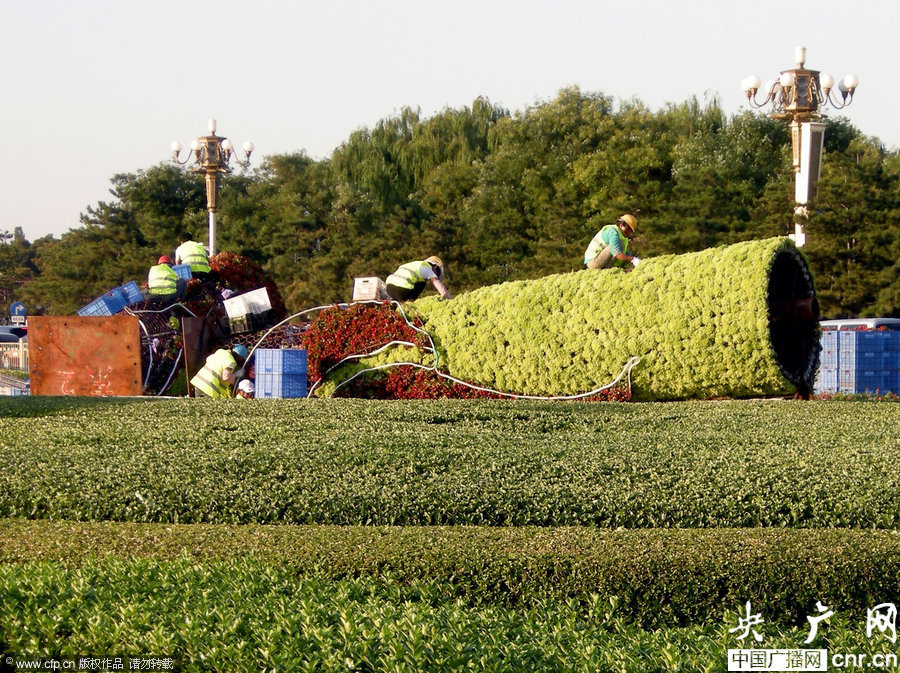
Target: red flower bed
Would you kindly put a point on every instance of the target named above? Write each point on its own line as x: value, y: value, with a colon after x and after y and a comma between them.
x: 336, y: 333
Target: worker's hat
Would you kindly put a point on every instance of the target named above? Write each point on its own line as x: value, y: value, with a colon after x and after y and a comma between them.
x: 630, y: 220
x: 240, y: 350
x: 165, y: 259
x: 434, y: 259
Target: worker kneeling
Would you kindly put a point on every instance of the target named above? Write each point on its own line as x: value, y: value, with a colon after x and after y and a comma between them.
x: 407, y: 282
x: 219, y: 372
x: 609, y: 247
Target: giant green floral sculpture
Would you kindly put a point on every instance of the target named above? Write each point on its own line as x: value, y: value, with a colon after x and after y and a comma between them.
x: 732, y: 321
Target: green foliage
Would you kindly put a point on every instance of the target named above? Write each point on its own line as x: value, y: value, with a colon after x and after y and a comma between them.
x: 16, y: 267
x: 656, y: 578
x: 699, y: 322
x: 657, y: 585
x: 246, y: 614
x: 723, y: 464
x: 854, y: 244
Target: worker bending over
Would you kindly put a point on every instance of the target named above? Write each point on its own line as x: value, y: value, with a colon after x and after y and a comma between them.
x: 219, y: 372
x: 193, y: 253
x: 407, y: 282
x: 609, y: 247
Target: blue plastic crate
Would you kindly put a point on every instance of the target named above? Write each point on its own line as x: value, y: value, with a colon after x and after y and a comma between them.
x: 861, y: 359
x: 182, y: 270
x: 132, y: 293
x: 830, y: 340
x: 826, y: 381
x: 863, y: 340
x: 115, y: 300
x: 109, y: 304
x: 265, y: 361
x: 95, y: 308
x: 892, y: 382
x: 890, y: 360
x: 892, y: 341
x: 276, y: 386
x: 293, y: 361
x: 830, y: 359
x: 288, y: 361
x: 866, y: 381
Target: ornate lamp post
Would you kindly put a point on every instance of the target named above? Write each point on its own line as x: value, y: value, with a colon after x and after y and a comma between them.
x: 212, y: 155
x: 797, y: 95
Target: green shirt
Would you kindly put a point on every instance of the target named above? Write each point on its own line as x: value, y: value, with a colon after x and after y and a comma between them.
x: 608, y: 237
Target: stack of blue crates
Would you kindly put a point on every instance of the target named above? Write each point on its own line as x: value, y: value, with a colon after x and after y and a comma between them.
x: 859, y: 361
x: 280, y: 372
x: 113, y: 301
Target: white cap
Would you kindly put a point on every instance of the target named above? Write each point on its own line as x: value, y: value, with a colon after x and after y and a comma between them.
x: 246, y: 386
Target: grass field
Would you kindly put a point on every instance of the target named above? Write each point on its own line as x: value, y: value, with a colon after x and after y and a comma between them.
x: 443, y: 535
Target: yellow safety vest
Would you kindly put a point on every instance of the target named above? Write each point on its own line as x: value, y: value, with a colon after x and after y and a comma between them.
x: 209, y: 379
x: 193, y: 253
x: 407, y: 276
x: 162, y: 280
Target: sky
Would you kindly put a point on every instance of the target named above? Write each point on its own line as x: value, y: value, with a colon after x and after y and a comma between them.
x: 94, y: 88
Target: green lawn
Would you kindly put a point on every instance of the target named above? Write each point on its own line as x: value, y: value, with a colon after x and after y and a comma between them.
x: 442, y: 535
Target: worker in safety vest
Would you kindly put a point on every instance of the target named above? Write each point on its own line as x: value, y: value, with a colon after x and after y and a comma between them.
x: 163, y: 284
x: 193, y: 253
x: 407, y: 282
x: 219, y: 372
x: 609, y: 247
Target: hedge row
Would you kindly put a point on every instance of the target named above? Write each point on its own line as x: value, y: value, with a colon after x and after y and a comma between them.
x: 246, y: 615
x: 656, y: 578
x: 704, y: 325
x: 716, y: 464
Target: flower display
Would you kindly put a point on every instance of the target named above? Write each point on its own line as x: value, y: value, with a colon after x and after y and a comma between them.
x: 722, y: 322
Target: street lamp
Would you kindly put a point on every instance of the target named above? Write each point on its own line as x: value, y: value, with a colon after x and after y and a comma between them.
x: 797, y: 95
x: 212, y: 155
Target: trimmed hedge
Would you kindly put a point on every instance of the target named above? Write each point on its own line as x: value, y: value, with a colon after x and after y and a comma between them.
x: 246, y: 615
x: 735, y: 321
x: 480, y: 462
x: 656, y: 578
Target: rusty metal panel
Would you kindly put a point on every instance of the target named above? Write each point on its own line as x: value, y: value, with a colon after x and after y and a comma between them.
x: 85, y: 356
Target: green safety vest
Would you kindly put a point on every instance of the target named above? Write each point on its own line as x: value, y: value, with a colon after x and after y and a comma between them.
x: 162, y: 280
x: 209, y: 379
x: 407, y: 276
x: 598, y: 243
x: 193, y: 253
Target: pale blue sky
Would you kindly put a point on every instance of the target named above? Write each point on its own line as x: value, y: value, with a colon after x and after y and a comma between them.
x: 100, y: 87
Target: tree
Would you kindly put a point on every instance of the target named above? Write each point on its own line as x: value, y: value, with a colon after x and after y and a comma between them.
x: 162, y: 201
x: 720, y: 173
x: 854, y: 231
x: 16, y: 266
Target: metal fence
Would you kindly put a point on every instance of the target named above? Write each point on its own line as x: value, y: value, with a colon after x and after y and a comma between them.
x: 14, y: 356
